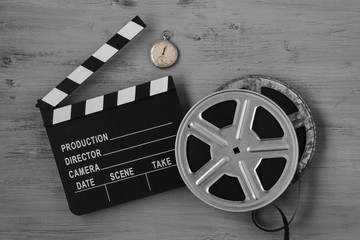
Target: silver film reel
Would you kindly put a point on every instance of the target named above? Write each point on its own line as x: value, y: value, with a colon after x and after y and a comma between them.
x: 227, y: 160
x: 292, y: 104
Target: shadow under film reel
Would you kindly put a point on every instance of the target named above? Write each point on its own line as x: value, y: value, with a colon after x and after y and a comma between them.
x: 227, y: 160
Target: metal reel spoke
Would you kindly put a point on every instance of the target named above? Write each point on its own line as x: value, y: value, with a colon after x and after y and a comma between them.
x: 271, y: 148
x: 249, y: 181
x: 243, y: 118
x: 210, y: 171
x: 210, y: 136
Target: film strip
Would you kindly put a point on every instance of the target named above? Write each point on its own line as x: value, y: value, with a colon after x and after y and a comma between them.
x: 92, y: 64
x: 116, y: 147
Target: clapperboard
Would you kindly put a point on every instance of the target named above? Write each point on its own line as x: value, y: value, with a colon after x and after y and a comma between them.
x: 116, y: 147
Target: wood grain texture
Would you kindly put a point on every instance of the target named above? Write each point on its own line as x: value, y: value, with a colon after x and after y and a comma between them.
x: 312, y: 44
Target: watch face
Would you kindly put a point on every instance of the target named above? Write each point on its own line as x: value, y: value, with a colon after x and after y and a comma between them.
x: 163, y: 54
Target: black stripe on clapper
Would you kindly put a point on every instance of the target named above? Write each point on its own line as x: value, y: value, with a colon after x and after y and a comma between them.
x: 92, y: 63
x: 142, y: 91
x: 171, y: 84
x: 67, y: 86
x: 47, y: 115
x: 139, y: 21
x: 41, y: 104
x: 110, y: 100
x: 78, y: 109
x: 118, y: 41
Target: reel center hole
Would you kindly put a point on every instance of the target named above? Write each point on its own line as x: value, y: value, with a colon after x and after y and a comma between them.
x: 236, y: 150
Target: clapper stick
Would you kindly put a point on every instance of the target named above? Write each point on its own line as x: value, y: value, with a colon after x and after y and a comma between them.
x: 52, y: 116
x: 91, y: 65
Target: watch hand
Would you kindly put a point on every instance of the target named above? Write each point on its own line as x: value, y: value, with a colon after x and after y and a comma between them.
x: 164, y: 50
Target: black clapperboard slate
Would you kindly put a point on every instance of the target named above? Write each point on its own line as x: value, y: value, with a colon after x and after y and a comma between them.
x: 117, y: 147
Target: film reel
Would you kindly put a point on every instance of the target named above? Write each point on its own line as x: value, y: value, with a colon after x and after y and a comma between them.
x: 225, y: 161
x: 292, y: 104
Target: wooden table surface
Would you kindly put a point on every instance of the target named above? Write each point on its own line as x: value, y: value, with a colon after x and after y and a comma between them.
x: 313, y: 45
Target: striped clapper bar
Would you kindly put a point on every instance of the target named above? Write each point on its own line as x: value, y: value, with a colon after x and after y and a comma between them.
x: 116, y: 147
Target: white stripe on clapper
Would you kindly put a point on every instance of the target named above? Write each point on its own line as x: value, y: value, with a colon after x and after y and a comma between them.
x: 80, y: 74
x: 130, y: 30
x: 62, y: 114
x: 54, y: 97
x: 105, y: 52
x: 159, y: 86
x: 94, y: 105
x: 126, y: 95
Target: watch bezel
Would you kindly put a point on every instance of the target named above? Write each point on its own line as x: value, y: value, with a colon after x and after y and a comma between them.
x: 153, y: 61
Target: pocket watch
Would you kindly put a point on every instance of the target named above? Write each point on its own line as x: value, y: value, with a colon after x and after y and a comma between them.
x: 164, y: 53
